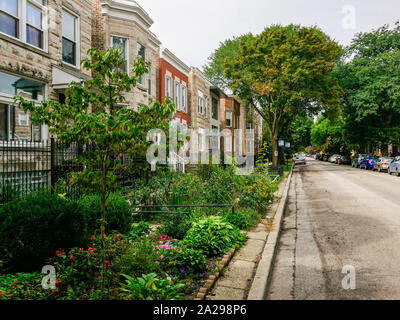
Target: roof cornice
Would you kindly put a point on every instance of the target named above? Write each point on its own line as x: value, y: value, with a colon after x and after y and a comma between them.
x: 173, y: 60
x: 128, y: 10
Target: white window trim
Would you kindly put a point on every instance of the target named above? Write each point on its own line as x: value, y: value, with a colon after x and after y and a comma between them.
x: 126, y: 49
x: 205, y: 106
x: 22, y: 22
x: 177, y: 95
x: 144, y: 76
x: 183, y: 93
x: 226, y: 118
x: 168, y: 87
x: 200, y: 108
x: 77, y: 39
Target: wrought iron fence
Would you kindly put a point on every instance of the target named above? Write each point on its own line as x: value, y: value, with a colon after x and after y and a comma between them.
x: 26, y: 167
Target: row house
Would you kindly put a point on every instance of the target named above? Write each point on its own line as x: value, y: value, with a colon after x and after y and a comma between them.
x: 173, y: 84
x: 125, y: 24
x: 42, y: 43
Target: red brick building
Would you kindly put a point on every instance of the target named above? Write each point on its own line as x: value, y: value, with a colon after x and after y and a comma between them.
x: 174, y: 83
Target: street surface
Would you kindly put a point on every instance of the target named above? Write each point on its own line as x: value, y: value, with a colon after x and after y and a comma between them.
x: 339, y: 216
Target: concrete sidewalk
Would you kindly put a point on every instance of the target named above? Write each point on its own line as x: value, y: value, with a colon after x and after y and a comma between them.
x: 236, y: 282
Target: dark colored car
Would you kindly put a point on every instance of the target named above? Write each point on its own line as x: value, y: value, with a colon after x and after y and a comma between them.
x: 382, y: 164
x: 368, y: 162
x: 326, y: 157
x: 343, y: 160
x: 355, y: 163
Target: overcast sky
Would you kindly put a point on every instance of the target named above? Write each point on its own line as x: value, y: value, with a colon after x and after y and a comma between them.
x: 192, y: 29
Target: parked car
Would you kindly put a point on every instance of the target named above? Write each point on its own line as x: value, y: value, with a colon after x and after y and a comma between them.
x: 382, y: 164
x: 299, y: 159
x: 355, y: 163
x: 343, y: 160
x: 394, y: 166
x: 326, y: 157
x: 319, y: 156
x: 368, y: 162
x: 332, y: 159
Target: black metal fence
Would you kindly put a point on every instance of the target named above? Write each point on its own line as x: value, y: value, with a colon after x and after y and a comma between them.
x: 26, y: 167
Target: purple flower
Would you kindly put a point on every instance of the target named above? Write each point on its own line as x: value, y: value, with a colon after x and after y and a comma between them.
x: 162, y: 256
x: 157, y: 262
x: 183, y: 270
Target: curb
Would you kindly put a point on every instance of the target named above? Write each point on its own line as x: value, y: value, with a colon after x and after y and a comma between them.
x: 261, y: 279
x: 212, y: 279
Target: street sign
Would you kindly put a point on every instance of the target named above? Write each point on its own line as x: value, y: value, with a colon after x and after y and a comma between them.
x: 287, y: 145
x: 281, y: 143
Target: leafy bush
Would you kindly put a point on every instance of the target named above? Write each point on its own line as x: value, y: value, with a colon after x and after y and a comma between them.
x: 256, y: 192
x: 118, y: 213
x: 150, y: 287
x: 139, y: 259
x: 176, y: 227
x: 213, y: 236
x: 32, y: 229
x: 139, y: 231
x: 244, y: 219
x: 184, y: 261
x: 22, y: 286
x: 79, y: 270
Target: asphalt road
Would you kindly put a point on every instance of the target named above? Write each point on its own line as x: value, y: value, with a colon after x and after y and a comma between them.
x: 339, y: 216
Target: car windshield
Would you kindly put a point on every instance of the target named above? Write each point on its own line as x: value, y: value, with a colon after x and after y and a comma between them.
x: 386, y: 159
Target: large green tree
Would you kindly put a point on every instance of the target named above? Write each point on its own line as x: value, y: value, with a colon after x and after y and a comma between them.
x: 283, y: 72
x: 369, y: 74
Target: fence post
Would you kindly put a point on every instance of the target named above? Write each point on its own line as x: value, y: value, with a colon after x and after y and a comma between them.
x: 52, y: 165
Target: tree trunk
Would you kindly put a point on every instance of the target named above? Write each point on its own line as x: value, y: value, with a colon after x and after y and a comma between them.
x: 275, y: 150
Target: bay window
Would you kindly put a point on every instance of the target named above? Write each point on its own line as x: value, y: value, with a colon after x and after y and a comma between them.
x: 25, y: 20
x: 70, y: 38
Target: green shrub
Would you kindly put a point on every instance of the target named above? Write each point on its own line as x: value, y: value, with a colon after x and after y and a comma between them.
x: 139, y: 231
x: 118, y: 213
x: 184, y: 261
x: 22, y: 286
x: 33, y: 228
x: 244, y: 219
x: 150, y: 287
x: 213, y: 236
x: 139, y: 259
x: 177, y: 226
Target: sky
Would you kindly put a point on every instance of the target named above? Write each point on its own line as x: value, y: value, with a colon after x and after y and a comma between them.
x: 193, y: 29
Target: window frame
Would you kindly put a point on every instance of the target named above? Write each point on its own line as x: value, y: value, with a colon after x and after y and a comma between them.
x: 200, y: 107
x: 177, y: 92
x: 183, y: 93
x: 230, y: 119
x: 8, y: 100
x: 143, y: 76
x: 168, y: 87
x: 22, y: 23
x: 77, y: 38
x: 126, y: 50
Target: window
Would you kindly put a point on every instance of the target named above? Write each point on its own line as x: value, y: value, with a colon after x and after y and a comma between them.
x: 205, y: 106
x: 149, y: 79
x: 184, y: 98
x: 25, y: 20
x: 229, y: 119
x: 69, y: 38
x: 176, y: 95
x: 122, y: 43
x: 14, y: 122
x: 34, y: 25
x: 168, y: 86
x: 9, y: 21
x: 214, y: 108
x: 200, y: 108
x: 141, y: 52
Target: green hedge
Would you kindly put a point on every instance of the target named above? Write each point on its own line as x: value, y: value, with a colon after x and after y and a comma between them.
x: 33, y: 228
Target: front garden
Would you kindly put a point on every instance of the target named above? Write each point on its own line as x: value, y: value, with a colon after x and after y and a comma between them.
x: 148, y: 256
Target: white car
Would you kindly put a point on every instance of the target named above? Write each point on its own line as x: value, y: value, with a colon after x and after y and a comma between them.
x: 395, y: 166
x: 299, y: 159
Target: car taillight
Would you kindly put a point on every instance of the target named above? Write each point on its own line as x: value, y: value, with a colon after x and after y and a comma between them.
x: 385, y: 163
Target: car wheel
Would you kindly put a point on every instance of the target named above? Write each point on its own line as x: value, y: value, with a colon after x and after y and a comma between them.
x: 390, y: 172
x: 379, y: 169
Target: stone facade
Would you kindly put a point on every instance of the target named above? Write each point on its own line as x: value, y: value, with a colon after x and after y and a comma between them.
x: 32, y: 63
x: 127, y: 20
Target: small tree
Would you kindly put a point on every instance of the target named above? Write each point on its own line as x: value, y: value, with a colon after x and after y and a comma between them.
x: 91, y: 116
